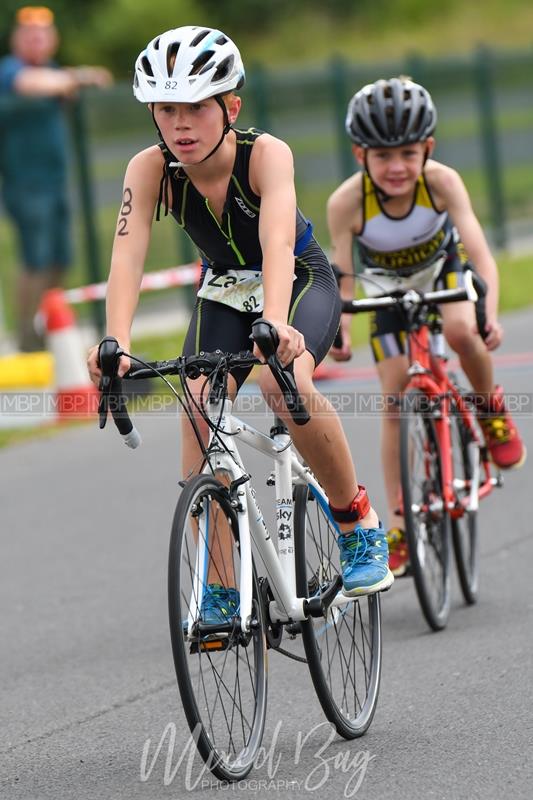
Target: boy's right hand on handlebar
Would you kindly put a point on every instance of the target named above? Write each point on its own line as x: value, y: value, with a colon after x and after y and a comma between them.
x: 93, y: 366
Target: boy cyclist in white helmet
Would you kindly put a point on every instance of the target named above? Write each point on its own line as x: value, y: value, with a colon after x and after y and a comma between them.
x: 232, y: 191
x: 413, y: 222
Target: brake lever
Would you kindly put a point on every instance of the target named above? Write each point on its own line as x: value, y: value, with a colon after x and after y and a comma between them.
x: 109, y: 354
x: 267, y: 339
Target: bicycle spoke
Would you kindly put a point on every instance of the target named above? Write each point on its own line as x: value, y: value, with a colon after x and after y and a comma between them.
x: 340, y: 648
x: 426, y: 519
x: 222, y: 675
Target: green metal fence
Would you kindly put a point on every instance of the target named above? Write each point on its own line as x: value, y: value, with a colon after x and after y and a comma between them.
x: 485, y: 131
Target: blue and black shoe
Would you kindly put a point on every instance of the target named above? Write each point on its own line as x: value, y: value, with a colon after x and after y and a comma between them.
x: 364, y: 557
x: 219, y: 604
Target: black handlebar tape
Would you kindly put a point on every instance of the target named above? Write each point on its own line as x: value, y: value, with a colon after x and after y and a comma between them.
x: 481, y: 304
x: 111, y: 398
x: 267, y: 339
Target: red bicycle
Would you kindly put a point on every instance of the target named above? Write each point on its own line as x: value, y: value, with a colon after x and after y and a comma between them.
x: 445, y: 466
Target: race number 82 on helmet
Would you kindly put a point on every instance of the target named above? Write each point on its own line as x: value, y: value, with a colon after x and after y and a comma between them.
x: 186, y: 65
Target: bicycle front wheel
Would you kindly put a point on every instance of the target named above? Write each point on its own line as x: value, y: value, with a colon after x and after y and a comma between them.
x: 464, y: 529
x: 343, y: 648
x: 426, y: 521
x: 221, y: 672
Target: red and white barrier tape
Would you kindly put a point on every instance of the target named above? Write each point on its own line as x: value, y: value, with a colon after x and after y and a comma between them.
x: 185, y: 275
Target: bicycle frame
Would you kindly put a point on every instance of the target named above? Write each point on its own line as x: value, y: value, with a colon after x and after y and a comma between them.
x: 427, y: 371
x: 223, y: 456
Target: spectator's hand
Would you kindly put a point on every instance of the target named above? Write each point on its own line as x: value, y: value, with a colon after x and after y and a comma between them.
x: 93, y: 366
x: 291, y: 343
x: 93, y: 76
x: 344, y: 352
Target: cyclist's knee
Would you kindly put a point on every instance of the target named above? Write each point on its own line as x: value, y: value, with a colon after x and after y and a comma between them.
x: 188, y: 431
x: 461, y: 337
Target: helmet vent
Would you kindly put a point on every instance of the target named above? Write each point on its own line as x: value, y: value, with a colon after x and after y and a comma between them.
x: 363, y: 127
x: 224, y: 68
x: 147, y: 66
x: 420, y: 120
x: 221, y: 39
x: 198, y: 39
x: 156, y: 44
x: 172, y: 52
x: 208, y: 66
x: 403, y: 125
x: 200, y: 62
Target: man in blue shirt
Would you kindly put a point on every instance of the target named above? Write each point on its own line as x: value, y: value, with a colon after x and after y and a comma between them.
x: 33, y: 156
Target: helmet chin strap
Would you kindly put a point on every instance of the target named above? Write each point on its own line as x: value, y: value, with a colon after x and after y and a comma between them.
x: 226, y: 129
x: 163, y: 186
x: 382, y: 195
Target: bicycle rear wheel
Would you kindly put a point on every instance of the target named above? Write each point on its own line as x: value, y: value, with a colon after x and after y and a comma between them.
x: 221, y: 672
x: 426, y: 521
x: 464, y: 529
x: 343, y: 649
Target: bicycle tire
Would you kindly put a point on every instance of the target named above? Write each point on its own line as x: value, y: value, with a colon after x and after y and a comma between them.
x: 427, y: 532
x: 464, y: 529
x: 226, y: 717
x: 349, y: 638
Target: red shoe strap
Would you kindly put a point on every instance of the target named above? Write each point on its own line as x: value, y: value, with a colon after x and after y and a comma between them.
x: 358, y: 508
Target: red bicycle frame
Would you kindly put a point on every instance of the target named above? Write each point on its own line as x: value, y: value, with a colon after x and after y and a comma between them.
x: 428, y: 373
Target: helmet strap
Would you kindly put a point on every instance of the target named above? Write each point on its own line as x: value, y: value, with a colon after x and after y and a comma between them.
x: 170, y: 162
x: 382, y: 196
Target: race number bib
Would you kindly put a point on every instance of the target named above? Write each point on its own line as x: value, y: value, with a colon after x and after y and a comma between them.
x: 241, y: 289
x: 384, y: 282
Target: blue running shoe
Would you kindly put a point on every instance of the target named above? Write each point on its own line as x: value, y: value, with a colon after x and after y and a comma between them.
x: 364, y: 556
x: 219, y: 604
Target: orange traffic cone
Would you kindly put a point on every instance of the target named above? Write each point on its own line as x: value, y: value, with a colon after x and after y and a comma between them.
x: 75, y: 394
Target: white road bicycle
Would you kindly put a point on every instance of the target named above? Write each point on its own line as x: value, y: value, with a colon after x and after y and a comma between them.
x: 221, y: 668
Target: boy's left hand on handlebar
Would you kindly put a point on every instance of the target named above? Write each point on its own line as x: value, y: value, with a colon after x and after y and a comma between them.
x: 494, y: 335
x: 291, y: 343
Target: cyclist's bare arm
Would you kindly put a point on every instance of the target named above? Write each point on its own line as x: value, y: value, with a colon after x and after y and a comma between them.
x: 450, y: 193
x: 50, y: 82
x: 132, y: 237
x: 272, y: 178
x: 344, y: 214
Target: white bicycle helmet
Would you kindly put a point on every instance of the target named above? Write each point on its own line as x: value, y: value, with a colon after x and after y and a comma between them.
x: 186, y: 65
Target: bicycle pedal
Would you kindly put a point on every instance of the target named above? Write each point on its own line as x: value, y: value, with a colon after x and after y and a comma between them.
x: 209, y: 645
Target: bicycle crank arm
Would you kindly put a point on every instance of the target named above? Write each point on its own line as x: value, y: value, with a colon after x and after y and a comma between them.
x: 318, y: 606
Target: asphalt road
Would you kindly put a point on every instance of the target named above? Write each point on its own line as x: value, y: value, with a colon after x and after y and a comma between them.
x: 86, y: 669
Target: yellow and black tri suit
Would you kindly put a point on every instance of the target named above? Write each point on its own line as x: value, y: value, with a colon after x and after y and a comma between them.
x: 405, y: 248
x: 234, y: 244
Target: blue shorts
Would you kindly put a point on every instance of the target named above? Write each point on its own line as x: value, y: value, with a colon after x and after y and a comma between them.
x: 42, y: 221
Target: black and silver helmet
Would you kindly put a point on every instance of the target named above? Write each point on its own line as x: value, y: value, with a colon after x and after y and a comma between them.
x: 390, y: 113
